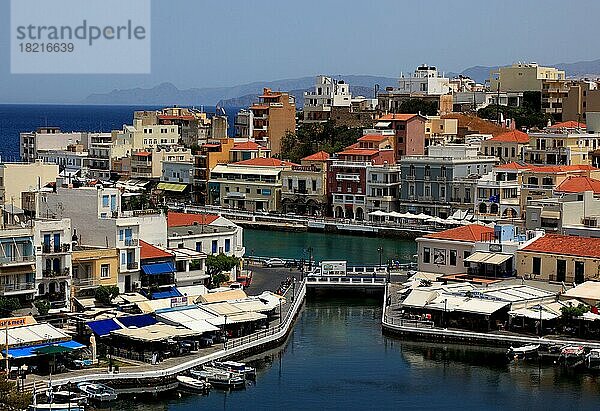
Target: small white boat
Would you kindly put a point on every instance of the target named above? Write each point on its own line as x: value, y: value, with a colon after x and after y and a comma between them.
x: 68, y: 397
x: 572, y: 356
x: 193, y: 384
x: 526, y: 352
x: 220, y: 378
x: 238, y: 367
x: 593, y: 358
x: 97, y: 392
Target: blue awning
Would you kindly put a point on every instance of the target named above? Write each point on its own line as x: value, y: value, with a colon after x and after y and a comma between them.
x: 158, y: 268
x: 137, y: 320
x: 103, y: 327
x: 166, y: 293
x: 24, y: 352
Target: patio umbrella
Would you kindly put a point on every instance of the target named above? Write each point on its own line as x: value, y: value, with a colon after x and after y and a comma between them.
x: 52, y: 349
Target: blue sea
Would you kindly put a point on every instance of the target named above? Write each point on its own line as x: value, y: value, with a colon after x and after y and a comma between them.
x: 17, y: 118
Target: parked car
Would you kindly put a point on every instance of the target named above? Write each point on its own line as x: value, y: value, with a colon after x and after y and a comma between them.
x: 274, y: 262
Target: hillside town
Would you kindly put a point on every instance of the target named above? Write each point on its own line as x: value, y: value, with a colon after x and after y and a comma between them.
x: 129, y: 244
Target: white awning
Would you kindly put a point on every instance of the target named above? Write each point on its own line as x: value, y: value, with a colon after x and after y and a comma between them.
x: 383, y: 124
x: 201, y: 326
x: 555, y: 215
x: 487, y: 258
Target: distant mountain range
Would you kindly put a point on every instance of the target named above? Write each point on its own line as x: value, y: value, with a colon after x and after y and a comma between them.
x: 244, y: 95
x: 168, y: 94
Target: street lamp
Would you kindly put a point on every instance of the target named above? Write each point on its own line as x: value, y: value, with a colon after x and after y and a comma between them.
x: 310, y: 251
x: 380, y: 251
x: 225, y: 333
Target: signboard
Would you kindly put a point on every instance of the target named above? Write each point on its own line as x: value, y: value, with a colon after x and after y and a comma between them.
x: 16, y: 321
x: 495, y: 248
x: 179, y: 301
x: 333, y: 268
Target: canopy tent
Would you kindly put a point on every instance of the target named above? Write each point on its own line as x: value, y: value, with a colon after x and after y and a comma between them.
x: 484, y: 257
x: 154, y: 333
x: 32, y: 351
x: 103, y: 328
x: 158, y: 268
x: 33, y: 334
x: 222, y: 296
x: 378, y: 213
x: 138, y: 321
x: 534, y: 313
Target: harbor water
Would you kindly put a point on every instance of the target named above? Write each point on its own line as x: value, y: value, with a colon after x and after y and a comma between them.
x: 337, y: 358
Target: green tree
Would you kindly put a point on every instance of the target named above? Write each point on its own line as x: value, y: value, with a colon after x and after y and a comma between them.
x: 43, y: 306
x: 8, y: 305
x: 417, y: 105
x: 216, y: 264
x: 105, y: 294
x: 572, y: 311
x: 10, y: 398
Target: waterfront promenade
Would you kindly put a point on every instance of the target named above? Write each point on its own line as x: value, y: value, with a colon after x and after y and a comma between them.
x: 393, y: 323
x: 168, y: 369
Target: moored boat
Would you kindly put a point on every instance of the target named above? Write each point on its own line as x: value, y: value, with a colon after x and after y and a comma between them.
x: 193, y: 384
x: 220, y: 378
x: 572, y: 356
x: 97, y: 392
x: 238, y: 367
x: 592, y: 358
x: 57, y: 407
x: 526, y: 352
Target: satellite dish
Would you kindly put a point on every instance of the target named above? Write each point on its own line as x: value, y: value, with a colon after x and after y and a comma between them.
x: 17, y: 220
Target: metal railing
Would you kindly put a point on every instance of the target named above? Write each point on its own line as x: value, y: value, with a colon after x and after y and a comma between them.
x: 132, y: 266
x: 56, y: 273
x: 131, y: 242
x: 7, y: 288
x: 17, y: 259
x: 405, y: 322
x: 56, y: 248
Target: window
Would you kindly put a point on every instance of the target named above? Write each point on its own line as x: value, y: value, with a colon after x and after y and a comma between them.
x: 314, y: 185
x: 105, y: 201
x: 536, y: 266
x: 105, y: 271
x: 426, y: 255
x: 561, y: 270
x: 227, y: 245
x: 466, y: 254
x: 453, y: 257
x: 427, y: 171
x: 214, y: 246
x: 199, y: 246
x: 123, y: 258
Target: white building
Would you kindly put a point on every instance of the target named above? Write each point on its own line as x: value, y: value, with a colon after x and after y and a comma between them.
x: 47, y: 138
x: 328, y: 93
x: 425, y: 80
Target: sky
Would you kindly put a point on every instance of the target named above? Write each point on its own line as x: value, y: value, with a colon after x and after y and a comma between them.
x: 198, y: 43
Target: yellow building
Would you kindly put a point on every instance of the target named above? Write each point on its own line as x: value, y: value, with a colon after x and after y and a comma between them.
x: 440, y: 130
x: 523, y: 77
x: 508, y: 147
x: 560, y: 258
x: 94, y: 266
x: 15, y: 178
x: 561, y: 145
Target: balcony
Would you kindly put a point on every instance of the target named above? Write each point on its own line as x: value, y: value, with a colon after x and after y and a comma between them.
x: 6, y: 289
x: 65, y: 272
x: 133, y: 266
x: 131, y: 242
x: 16, y: 260
x: 300, y: 191
x: 86, y: 282
x: 55, y: 249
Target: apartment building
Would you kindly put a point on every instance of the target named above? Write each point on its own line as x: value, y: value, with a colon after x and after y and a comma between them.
x: 523, y: 77
x: 247, y: 151
x: 18, y: 268
x: 581, y: 98
x: 304, y: 187
x: 508, y: 147
x: 211, y: 154
x: 244, y: 125
x: 149, y: 163
x: 47, y: 138
x: 274, y: 115
x: 93, y: 267
x: 440, y: 130
x: 253, y: 185
x: 571, y: 213
x: 443, y: 181
x: 409, y: 133
x: 328, y: 93
x: 16, y: 178
x: 562, y: 144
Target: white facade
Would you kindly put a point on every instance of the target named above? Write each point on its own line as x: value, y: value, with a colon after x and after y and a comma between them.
x: 328, y: 93
x: 425, y: 80
x: 47, y: 138
x: 54, y: 271
x: 177, y: 172
x: 383, y: 187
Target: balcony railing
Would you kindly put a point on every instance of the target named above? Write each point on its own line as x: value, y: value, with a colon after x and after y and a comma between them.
x: 132, y: 266
x: 56, y: 273
x: 85, y: 282
x: 17, y: 259
x: 131, y: 242
x: 55, y: 249
x: 300, y: 191
x: 11, y: 288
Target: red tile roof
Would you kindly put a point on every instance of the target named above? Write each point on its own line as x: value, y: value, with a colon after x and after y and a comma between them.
x: 562, y: 169
x: 184, y: 219
x: 248, y: 145
x: 566, y: 245
x: 513, y: 136
x: 358, y: 152
x: 148, y: 251
x: 399, y: 117
x: 579, y: 184
x: 469, y: 233
x: 320, y: 156
x: 266, y: 162
x: 143, y: 154
x: 568, y: 124
x: 373, y: 137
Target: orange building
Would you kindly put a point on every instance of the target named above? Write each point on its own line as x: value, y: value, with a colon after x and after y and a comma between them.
x: 274, y: 115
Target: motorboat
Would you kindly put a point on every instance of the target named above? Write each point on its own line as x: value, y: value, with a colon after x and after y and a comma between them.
x: 572, y: 356
x: 97, y: 392
x: 193, y: 384
x: 220, y: 378
x: 592, y: 358
x: 238, y: 367
x: 526, y: 352
x: 65, y: 396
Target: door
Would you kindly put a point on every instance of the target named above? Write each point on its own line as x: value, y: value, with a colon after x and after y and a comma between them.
x: 579, y: 272
x: 127, y: 283
x: 56, y: 242
x: 561, y: 270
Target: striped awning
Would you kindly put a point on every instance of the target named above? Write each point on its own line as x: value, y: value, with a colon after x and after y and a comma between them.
x: 172, y: 187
